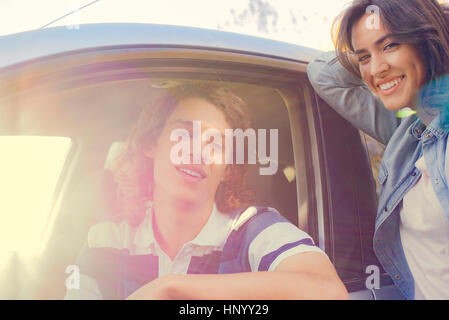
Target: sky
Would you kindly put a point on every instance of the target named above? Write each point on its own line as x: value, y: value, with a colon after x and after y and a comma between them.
x: 302, y: 22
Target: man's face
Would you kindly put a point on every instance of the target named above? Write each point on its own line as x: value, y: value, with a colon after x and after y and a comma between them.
x: 393, y: 71
x: 189, y: 183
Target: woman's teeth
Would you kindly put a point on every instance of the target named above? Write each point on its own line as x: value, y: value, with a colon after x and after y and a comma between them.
x: 390, y: 84
x: 190, y: 172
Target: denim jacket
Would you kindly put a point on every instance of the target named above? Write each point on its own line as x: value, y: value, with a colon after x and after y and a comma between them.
x: 406, y: 141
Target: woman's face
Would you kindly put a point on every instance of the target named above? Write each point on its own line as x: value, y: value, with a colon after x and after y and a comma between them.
x: 394, y: 72
x: 189, y: 183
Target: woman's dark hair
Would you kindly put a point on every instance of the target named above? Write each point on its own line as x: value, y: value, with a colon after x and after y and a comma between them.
x: 423, y: 24
x: 133, y: 170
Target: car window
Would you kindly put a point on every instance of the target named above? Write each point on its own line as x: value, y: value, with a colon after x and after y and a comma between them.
x: 31, y: 168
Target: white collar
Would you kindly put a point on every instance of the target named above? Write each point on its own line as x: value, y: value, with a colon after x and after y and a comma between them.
x: 214, y: 232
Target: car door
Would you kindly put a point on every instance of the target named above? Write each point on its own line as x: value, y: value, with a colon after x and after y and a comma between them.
x: 350, y: 204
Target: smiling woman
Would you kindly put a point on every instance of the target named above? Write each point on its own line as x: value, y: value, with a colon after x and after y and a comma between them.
x: 396, y: 54
x: 388, y: 67
x: 403, y: 60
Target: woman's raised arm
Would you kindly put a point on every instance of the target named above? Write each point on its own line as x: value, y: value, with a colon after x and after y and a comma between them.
x: 351, y: 98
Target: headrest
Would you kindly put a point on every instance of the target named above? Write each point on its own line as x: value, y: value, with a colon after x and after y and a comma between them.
x: 114, y: 151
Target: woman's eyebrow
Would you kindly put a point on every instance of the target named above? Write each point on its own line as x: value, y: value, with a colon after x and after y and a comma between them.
x: 377, y: 42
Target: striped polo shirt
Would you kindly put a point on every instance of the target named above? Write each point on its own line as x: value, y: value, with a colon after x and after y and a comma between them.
x: 116, y: 262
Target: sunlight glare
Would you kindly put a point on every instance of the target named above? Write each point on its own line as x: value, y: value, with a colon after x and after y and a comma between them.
x: 29, y: 170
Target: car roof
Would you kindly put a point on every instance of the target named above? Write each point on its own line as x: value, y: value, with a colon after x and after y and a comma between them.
x: 25, y: 46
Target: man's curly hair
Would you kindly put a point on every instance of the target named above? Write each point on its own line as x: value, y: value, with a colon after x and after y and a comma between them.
x: 133, y: 170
